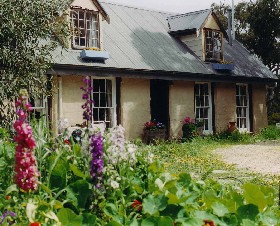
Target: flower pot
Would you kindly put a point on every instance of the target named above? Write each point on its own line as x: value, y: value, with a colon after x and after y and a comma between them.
x: 232, y: 127
x: 151, y: 136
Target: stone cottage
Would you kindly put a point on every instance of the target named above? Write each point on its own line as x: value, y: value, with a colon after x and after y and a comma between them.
x: 146, y: 64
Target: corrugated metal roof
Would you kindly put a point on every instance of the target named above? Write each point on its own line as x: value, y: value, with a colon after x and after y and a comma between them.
x: 138, y: 39
x: 188, y: 21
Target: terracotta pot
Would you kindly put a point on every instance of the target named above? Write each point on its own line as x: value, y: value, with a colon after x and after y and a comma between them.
x: 232, y: 127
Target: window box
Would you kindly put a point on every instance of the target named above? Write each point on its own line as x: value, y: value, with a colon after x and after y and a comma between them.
x: 94, y: 55
x: 226, y: 67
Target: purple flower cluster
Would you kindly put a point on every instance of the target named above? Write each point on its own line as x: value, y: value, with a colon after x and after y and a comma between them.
x: 97, y: 162
x: 25, y: 161
x: 87, y: 114
x: 5, y: 214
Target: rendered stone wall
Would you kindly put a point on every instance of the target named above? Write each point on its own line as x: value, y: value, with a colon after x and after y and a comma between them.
x: 181, y: 104
x: 135, y: 106
x: 259, y: 107
x: 72, y: 99
x: 225, y: 105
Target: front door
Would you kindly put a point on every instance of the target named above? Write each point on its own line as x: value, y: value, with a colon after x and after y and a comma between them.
x: 159, y: 91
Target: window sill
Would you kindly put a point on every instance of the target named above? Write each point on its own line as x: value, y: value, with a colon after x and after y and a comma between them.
x: 94, y: 55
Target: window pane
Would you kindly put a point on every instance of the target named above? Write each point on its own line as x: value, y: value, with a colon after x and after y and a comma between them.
x: 206, y: 127
x: 196, y: 89
x: 205, y: 113
x: 102, y: 100
x: 201, y: 100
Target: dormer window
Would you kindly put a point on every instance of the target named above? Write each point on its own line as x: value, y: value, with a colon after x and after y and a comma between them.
x: 213, y: 45
x: 85, y: 28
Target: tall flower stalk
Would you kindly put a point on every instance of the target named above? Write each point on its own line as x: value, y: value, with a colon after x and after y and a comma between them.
x: 25, y: 161
x: 87, y: 114
x: 97, y: 162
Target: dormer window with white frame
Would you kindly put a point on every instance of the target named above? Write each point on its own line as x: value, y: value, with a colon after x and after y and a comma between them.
x: 85, y: 28
x: 213, y: 45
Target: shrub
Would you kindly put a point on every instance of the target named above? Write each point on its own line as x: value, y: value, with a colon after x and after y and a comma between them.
x: 269, y: 133
x: 274, y: 118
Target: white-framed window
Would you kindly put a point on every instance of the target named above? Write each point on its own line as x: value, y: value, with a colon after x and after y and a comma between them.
x: 242, y: 107
x: 39, y: 106
x: 85, y: 28
x: 203, y: 105
x: 213, y: 45
x: 104, y: 97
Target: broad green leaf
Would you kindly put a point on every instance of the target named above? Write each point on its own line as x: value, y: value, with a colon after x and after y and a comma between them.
x: 269, y: 218
x: 210, y: 197
x: 77, y: 171
x: 190, y: 221
x: 68, y: 218
x: 165, y: 221
x: 247, y: 222
x: 173, y: 199
x: 184, y: 180
x: 113, y: 223
x: 71, y: 197
x: 172, y: 211
x: 153, y: 204
x: 110, y: 210
x: 219, y: 209
x: 249, y: 211
x: 150, y: 221
x: 11, y: 189
x: 89, y: 219
x: 83, y: 190
x: 254, y: 195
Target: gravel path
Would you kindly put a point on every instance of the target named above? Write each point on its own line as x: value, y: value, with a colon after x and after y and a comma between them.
x: 261, y: 157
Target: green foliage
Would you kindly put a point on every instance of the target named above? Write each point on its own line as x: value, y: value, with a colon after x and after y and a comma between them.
x: 269, y: 133
x: 274, y: 118
x: 143, y: 192
x: 7, y: 151
x: 27, y: 37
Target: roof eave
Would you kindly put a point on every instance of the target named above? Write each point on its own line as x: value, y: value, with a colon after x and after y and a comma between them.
x: 66, y: 69
x: 101, y: 10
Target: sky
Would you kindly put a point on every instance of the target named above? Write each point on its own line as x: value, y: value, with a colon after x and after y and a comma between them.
x: 179, y: 6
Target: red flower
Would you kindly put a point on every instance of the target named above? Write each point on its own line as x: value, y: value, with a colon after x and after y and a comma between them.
x: 7, y: 197
x: 67, y: 142
x: 35, y: 224
x: 208, y: 223
x: 137, y: 205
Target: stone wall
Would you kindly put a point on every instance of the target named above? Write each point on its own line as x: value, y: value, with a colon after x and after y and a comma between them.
x: 72, y: 99
x: 259, y: 107
x: 181, y: 104
x: 135, y: 106
x: 225, y: 105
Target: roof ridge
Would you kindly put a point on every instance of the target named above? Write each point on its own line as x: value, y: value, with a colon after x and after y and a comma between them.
x: 190, y: 13
x: 136, y: 7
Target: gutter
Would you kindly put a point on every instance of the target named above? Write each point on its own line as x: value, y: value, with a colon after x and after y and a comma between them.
x: 74, y: 70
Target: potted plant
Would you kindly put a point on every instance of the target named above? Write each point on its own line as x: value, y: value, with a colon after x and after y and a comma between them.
x: 192, y: 128
x: 154, y: 130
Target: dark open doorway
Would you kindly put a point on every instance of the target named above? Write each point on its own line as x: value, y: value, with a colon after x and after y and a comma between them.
x: 159, y: 90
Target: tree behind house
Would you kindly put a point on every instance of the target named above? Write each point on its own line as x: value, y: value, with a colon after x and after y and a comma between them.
x: 29, y: 31
x: 257, y: 27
